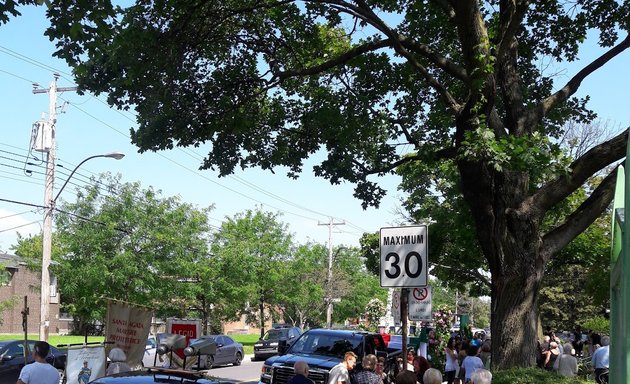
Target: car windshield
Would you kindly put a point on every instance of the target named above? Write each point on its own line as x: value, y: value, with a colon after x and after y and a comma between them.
x: 274, y: 334
x: 327, y: 345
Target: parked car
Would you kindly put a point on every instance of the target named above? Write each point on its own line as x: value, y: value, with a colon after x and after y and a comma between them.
x: 228, y: 352
x: 268, y: 344
x: 156, y: 375
x: 12, y: 359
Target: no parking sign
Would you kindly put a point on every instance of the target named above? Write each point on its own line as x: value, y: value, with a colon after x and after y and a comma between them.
x: 420, y: 307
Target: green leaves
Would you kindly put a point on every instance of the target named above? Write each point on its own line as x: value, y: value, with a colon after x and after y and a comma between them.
x: 534, y: 153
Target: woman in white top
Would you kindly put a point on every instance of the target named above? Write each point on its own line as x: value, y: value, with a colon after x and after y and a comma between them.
x: 450, y: 369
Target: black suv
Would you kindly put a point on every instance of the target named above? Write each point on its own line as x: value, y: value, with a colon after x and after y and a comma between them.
x: 268, y: 344
x: 322, y: 349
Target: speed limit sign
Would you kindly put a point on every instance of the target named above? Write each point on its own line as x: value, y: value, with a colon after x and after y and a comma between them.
x: 404, y: 256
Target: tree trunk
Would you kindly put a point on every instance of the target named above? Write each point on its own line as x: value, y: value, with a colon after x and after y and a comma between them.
x: 509, y: 235
x: 514, y: 321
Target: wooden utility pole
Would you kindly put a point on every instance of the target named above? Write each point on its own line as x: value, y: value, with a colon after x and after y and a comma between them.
x: 329, y: 298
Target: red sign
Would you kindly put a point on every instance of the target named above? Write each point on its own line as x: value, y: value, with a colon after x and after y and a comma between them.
x: 188, y: 329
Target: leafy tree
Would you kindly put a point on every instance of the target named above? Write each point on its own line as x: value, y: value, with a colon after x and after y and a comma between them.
x: 123, y: 242
x: 459, y: 83
x: 353, y: 284
x: 252, y: 249
x: 303, y: 287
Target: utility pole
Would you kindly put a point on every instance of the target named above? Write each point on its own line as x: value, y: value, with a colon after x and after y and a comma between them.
x: 44, y: 313
x: 329, y: 299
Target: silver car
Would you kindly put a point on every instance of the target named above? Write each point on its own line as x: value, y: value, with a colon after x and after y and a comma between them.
x: 228, y: 352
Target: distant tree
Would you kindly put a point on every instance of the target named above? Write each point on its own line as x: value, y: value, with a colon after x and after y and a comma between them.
x: 252, y: 249
x: 303, y: 288
x: 353, y: 284
x: 123, y: 242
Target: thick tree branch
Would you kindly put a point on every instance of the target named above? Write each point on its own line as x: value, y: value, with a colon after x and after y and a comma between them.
x: 467, y: 272
x: 378, y: 23
x: 352, y: 53
x: 440, y: 61
x: 581, y: 169
x: 579, y: 220
x: 574, y: 84
x: 512, y: 14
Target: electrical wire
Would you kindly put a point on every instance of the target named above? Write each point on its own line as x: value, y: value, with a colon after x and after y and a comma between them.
x: 197, y: 156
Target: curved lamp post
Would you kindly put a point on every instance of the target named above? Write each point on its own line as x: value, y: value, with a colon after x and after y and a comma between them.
x: 47, y: 241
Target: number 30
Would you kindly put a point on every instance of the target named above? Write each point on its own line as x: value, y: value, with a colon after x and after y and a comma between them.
x: 395, y: 265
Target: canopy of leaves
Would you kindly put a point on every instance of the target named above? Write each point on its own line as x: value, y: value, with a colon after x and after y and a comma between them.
x: 250, y: 251
x: 127, y: 243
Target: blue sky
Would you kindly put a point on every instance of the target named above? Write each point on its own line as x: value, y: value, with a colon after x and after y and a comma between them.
x: 88, y: 127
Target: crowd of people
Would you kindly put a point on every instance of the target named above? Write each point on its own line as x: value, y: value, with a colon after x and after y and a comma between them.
x: 561, y: 356
x: 374, y: 370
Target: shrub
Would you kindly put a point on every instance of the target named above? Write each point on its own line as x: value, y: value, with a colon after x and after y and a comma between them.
x: 597, y: 324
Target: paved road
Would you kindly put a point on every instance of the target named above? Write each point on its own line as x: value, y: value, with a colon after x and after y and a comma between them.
x: 247, y: 372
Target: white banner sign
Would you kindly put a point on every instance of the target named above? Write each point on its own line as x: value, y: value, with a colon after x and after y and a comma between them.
x: 85, y: 364
x: 128, y: 328
x: 420, y: 307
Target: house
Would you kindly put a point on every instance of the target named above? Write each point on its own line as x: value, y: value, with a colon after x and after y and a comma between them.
x: 20, y: 282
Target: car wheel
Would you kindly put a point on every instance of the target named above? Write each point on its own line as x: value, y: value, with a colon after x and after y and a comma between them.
x: 239, y: 358
x: 209, y: 361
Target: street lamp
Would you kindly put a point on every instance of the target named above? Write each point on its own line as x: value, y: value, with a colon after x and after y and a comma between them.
x: 47, y: 239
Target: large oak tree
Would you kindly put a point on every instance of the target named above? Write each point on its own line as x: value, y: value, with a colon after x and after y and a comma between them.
x: 373, y: 85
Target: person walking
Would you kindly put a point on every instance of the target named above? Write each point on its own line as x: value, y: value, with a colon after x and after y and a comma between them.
x: 339, y: 373
x: 301, y: 373
x: 600, y: 361
x: 39, y: 372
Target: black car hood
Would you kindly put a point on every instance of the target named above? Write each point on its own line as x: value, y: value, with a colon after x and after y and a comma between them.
x: 313, y: 361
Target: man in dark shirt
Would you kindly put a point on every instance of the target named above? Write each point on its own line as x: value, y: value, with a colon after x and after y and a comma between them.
x: 301, y: 373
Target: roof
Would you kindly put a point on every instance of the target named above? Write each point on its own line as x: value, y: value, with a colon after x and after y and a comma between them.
x: 11, y: 261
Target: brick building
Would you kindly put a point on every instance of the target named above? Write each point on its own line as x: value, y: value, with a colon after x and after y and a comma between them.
x: 24, y: 282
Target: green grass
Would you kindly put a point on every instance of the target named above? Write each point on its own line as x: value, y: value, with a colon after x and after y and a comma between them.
x: 532, y: 376
x: 247, y: 340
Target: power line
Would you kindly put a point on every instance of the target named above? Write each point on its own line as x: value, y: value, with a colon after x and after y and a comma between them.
x: 250, y: 185
x: 19, y: 226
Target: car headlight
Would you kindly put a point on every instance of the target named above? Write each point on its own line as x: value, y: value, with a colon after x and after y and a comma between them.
x: 266, y: 370
x: 258, y: 345
x: 274, y: 344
